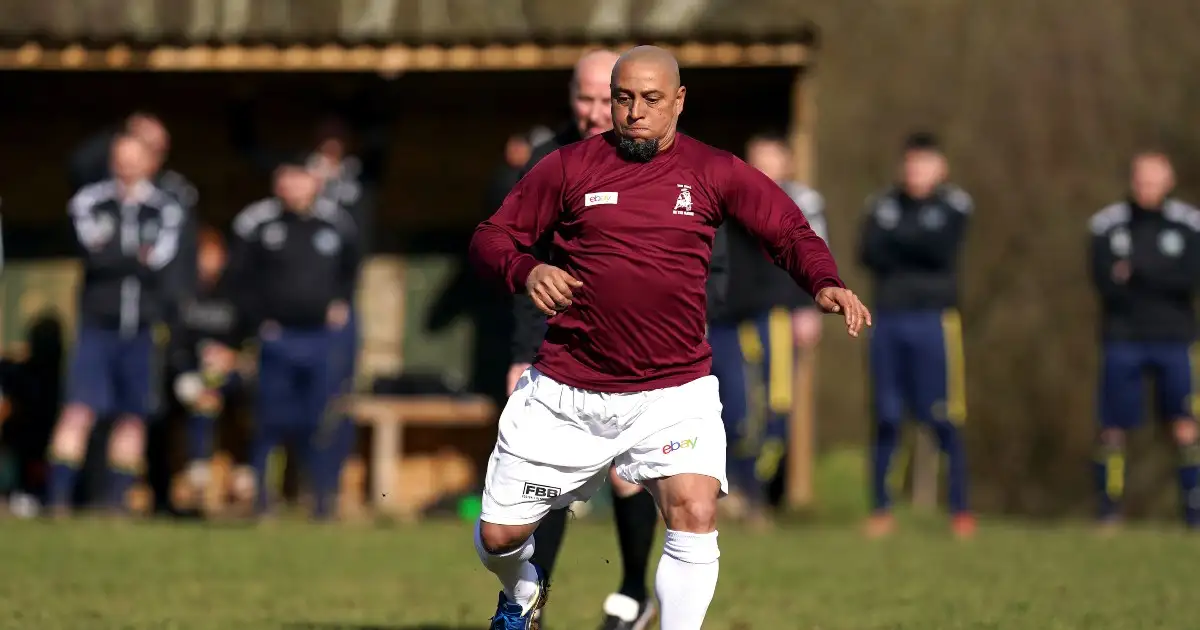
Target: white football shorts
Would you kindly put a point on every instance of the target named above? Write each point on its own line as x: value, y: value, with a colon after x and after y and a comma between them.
x: 556, y: 443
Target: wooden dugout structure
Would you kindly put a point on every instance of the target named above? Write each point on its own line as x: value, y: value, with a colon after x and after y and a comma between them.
x: 791, y: 53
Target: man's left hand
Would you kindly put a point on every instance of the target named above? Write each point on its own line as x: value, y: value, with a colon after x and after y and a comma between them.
x: 839, y: 300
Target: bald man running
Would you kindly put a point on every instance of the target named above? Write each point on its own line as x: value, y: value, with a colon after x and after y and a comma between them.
x: 623, y: 376
x: 634, y: 513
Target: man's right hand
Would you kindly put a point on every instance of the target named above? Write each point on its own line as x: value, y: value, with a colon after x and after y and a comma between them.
x: 550, y: 288
x: 514, y: 374
x: 337, y: 315
x: 217, y: 358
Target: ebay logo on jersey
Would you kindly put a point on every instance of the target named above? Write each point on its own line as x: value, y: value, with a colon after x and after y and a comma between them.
x: 675, y: 446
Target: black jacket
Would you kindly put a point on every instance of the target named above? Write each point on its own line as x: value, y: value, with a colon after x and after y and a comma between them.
x: 126, y: 248
x: 757, y: 284
x: 288, y: 268
x: 210, y: 315
x: 89, y: 164
x: 1162, y: 249
x: 529, y: 324
x: 911, y: 247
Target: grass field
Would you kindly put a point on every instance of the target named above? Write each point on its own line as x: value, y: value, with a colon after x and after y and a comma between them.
x: 98, y: 575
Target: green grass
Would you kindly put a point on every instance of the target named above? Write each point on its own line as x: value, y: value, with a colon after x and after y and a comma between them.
x: 97, y: 575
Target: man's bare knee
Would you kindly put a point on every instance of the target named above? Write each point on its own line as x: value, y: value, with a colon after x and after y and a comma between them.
x: 1185, y: 431
x: 688, y: 502
x: 501, y: 539
x: 693, y: 514
x: 127, y: 444
x: 72, y: 432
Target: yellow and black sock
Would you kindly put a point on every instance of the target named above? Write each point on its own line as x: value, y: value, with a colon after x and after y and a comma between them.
x: 1109, y: 470
x: 121, y: 478
x: 60, y: 486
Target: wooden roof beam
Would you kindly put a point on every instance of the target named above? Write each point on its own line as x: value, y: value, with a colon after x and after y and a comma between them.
x: 364, y: 58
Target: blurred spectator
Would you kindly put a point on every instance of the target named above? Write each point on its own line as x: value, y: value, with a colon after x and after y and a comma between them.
x: 348, y: 156
x: 203, y: 360
x: 753, y: 334
x: 294, y: 266
x: 517, y: 150
x: 89, y: 164
x: 128, y: 231
x: 31, y: 384
x: 911, y: 237
x: 489, y: 311
x: 1146, y: 269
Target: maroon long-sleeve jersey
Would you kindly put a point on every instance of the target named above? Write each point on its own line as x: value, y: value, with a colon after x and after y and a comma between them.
x: 639, y: 237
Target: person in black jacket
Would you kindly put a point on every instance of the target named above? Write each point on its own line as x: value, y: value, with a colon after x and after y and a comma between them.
x: 1146, y: 269
x: 89, y: 164
x: 911, y: 237
x: 295, y: 264
x: 754, y: 334
x: 129, y: 232
x: 204, y: 358
x: 349, y: 158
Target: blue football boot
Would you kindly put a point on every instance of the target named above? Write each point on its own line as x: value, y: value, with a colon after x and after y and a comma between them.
x: 510, y: 615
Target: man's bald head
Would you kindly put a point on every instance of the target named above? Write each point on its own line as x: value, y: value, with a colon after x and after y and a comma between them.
x: 596, y: 64
x: 652, y: 56
x: 647, y: 100
x: 1151, y: 178
x: 590, y: 94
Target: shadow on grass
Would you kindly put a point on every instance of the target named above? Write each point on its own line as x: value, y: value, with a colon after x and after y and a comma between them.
x: 376, y: 627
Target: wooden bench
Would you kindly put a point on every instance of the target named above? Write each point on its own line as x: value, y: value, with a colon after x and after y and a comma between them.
x: 387, y: 416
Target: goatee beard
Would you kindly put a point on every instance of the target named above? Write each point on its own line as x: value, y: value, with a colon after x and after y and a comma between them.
x: 636, y: 150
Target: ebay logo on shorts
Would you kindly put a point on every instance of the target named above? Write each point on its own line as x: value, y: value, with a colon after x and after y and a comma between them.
x: 675, y: 446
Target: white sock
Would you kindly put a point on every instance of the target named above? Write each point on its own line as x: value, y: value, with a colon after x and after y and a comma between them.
x: 516, y: 574
x: 686, y: 579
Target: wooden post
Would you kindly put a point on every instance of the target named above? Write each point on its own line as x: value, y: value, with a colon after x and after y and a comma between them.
x: 801, y: 426
x: 385, y: 444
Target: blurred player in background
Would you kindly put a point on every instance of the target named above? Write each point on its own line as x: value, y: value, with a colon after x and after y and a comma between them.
x: 294, y: 267
x: 89, y: 164
x: 911, y: 237
x: 1146, y: 269
x: 204, y: 358
x: 129, y: 232
x: 764, y: 315
x: 348, y: 158
x: 630, y: 607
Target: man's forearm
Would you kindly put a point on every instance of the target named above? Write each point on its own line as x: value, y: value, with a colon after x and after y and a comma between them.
x: 496, y: 258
